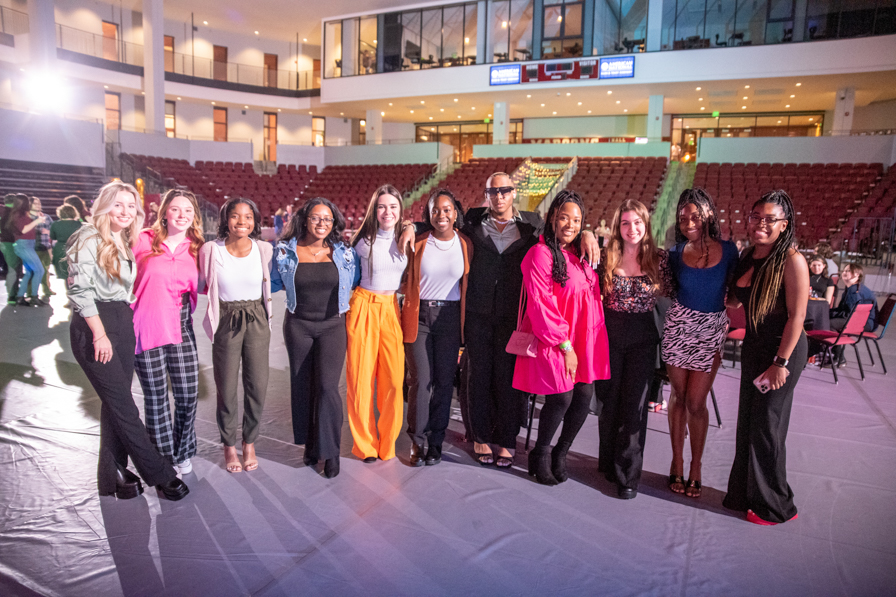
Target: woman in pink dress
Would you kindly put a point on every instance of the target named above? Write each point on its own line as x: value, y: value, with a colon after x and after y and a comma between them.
x: 564, y: 312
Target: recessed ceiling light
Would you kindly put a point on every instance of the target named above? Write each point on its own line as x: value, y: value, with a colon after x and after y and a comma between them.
x: 144, y: 93
x: 811, y: 119
x: 390, y: 103
x: 530, y: 95
x: 441, y: 109
x: 743, y: 107
x: 699, y: 88
x: 745, y: 97
x: 107, y: 87
x: 178, y: 98
x: 699, y: 99
x: 792, y: 96
x: 412, y: 111
x: 746, y: 86
x: 430, y: 117
x: 279, y: 109
x: 205, y: 22
x: 422, y: 101
x: 312, y: 113
x: 568, y: 94
x: 618, y: 101
x: 589, y: 111
x: 342, y: 113
x: 609, y: 93
x: 779, y: 122
x: 542, y: 105
x: 382, y: 113
x: 455, y: 99
x: 625, y: 110
x: 246, y: 107
x: 213, y: 103
x: 555, y: 112
x: 458, y: 115
x: 580, y: 103
x: 489, y: 115
x: 374, y: 41
x: 305, y: 39
x: 787, y: 106
x: 798, y: 84
x: 256, y: 33
x: 702, y: 108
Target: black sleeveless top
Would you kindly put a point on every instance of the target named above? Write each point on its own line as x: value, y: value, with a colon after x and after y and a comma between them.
x: 317, y: 291
x: 772, y: 327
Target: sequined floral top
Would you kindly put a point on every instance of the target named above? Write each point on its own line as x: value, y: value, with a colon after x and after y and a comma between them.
x: 634, y: 294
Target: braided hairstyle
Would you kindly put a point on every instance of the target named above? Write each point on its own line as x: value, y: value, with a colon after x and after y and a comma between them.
x: 558, y: 268
x: 707, y: 208
x: 769, y: 277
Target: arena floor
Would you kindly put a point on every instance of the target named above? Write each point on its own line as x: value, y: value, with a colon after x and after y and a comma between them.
x: 453, y: 529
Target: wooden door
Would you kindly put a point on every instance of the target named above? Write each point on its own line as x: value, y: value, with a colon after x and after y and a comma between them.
x: 220, y: 62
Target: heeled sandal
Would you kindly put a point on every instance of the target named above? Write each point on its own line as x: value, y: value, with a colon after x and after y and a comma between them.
x: 249, y: 465
x: 693, y: 489
x: 232, y: 465
x: 677, y: 480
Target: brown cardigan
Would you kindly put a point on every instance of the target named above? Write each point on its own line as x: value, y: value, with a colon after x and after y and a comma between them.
x: 410, y: 312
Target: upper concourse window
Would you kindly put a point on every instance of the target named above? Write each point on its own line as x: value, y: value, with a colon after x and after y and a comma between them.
x: 333, y: 49
x: 510, y: 36
x: 689, y: 24
x: 169, y: 53
x: 170, y: 119
x: 220, y: 119
x: 318, y: 131
x: 113, y: 111
x: 367, y: 43
x: 562, y: 33
x: 430, y: 38
x: 619, y: 26
x: 828, y: 19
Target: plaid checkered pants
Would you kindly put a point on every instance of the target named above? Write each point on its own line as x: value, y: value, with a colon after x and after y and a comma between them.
x: 180, y: 362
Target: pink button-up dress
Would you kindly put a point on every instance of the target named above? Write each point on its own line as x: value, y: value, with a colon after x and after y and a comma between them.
x: 556, y: 313
x: 161, y: 280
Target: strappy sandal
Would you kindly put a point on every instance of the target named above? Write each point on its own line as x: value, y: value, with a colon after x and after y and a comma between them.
x: 485, y: 459
x: 694, y: 488
x: 504, y: 461
x: 250, y: 465
x: 676, y: 480
x: 232, y: 465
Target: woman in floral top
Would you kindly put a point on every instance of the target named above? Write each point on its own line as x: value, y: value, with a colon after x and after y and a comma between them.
x: 633, y: 274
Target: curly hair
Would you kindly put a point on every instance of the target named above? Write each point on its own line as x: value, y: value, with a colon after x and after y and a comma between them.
x: 296, y: 228
x: 558, y: 267
x: 706, y: 207
x: 227, y: 209
x: 433, y: 197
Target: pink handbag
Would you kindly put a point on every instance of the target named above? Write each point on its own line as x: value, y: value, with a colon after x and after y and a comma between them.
x: 523, y: 344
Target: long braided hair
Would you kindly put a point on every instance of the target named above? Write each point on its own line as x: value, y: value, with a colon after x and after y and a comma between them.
x: 707, y: 208
x: 558, y: 267
x: 769, y: 277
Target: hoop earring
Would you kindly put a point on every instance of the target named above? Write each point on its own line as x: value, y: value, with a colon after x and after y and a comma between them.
x: 164, y: 222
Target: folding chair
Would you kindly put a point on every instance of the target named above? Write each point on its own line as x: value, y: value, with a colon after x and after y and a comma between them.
x: 849, y: 335
x: 737, y: 329
x: 883, y: 322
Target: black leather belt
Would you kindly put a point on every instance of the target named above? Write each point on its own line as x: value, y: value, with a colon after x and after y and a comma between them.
x: 439, y: 303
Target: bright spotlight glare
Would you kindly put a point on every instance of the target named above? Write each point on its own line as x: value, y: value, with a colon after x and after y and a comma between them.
x: 45, y: 90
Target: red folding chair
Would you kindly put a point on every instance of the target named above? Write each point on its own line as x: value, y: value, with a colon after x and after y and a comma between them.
x: 737, y: 328
x: 883, y: 322
x: 848, y: 336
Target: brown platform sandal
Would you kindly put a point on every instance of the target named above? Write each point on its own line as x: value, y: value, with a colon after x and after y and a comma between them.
x: 676, y: 480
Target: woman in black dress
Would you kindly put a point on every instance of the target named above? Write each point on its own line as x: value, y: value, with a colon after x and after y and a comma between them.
x: 772, y: 282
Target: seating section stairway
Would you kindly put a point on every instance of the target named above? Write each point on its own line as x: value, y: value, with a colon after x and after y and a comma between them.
x: 50, y: 182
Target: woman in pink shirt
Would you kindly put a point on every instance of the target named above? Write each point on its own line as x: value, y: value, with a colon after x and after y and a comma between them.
x: 167, y: 281
x: 564, y: 312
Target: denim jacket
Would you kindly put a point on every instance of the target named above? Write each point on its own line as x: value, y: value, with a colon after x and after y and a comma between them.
x: 283, y: 272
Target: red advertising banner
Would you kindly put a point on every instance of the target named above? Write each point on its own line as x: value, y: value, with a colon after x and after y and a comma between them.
x: 582, y: 140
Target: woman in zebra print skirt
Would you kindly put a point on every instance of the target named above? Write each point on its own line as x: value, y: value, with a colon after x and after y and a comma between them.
x: 695, y: 328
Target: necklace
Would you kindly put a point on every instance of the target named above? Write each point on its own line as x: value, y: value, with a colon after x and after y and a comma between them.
x: 313, y: 254
x: 437, y: 241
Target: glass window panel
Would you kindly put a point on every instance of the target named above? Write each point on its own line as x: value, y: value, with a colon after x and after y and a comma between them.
x: 689, y: 25
x: 521, y: 12
x: 749, y: 23
x: 351, y: 52
x: 771, y: 120
x: 553, y: 21
x: 499, y: 39
x: 701, y: 123
x: 333, y: 49
x: 471, y: 16
x: 452, y: 35
x: 607, y: 26
x: 432, y: 37
x: 857, y: 18
x: 737, y: 121
x: 807, y: 120
x: 720, y: 22
x: 668, y: 27
x: 367, y: 45
x: 779, y: 10
x: 885, y: 19
x: 572, y: 21
x: 634, y: 24
x: 410, y: 36
x: 391, y: 42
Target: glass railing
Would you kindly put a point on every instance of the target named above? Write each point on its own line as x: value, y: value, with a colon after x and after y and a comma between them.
x: 12, y: 21
x: 244, y: 74
x: 98, y: 46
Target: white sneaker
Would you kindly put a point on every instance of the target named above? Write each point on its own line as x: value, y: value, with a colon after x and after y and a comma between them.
x: 185, y: 467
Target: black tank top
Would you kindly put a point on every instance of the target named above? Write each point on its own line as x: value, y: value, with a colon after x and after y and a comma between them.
x: 317, y: 291
x: 773, y: 324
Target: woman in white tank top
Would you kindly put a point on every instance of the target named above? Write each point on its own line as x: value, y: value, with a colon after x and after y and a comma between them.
x: 375, y: 360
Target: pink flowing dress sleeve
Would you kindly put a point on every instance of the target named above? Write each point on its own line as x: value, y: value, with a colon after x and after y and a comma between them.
x: 542, y: 309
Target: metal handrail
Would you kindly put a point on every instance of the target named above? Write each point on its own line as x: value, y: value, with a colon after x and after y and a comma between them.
x: 13, y: 22
x: 98, y: 46
x: 245, y: 74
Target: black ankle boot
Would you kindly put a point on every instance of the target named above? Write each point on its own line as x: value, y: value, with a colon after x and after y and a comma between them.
x: 417, y: 457
x: 127, y: 484
x: 540, y: 466
x: 174, y: 490
x: 331, y: 467
x: 434, y: 455
x: 558, y: 461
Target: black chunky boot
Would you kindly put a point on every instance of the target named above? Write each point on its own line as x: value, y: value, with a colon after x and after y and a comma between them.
x: 540, y: 466
x: 331, y: 467
x: 558, y: 461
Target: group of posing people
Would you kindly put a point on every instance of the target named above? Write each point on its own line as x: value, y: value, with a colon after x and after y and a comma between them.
x: 538, y: 306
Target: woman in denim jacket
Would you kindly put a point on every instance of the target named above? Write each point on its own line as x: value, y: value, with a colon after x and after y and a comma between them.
x: 318, y: 273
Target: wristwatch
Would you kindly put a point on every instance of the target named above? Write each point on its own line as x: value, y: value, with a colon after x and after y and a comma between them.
x: 780, y: 361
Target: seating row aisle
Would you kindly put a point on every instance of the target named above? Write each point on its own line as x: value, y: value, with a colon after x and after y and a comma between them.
x: 50, y: 182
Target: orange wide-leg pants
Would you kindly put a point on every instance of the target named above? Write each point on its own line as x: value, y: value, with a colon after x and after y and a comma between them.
x: 374, y: 363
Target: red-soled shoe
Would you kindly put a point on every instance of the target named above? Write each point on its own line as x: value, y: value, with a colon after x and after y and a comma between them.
x: 752, y: 517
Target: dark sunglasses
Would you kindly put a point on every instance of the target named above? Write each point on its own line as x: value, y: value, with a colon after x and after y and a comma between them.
x: 495, y: 191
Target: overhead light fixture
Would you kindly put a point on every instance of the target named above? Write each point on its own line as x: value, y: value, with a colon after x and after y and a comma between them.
x: 178, y: 99
x: 205, y: 22
x: 312, y: 113
x: 589, y: 111
x: 504, y: 24
x: 430, y: 117
x: 455, y: 99
x: 382, y: 113
x: 702, y: 108
x: 491, y: 116
x: 213, y: 103
x: 745, y: 97
x: 792, y: 96
x: 555, y: 113
x: 458, y: 115
x: 374, y: 41
x: 609, y: 93
x: 342, y: 113
x: 256, y: 33
x: 390, y: 103
x: 787, y: 106
x: 529, y: 95
x: 246, y: 107
x: 568, y: 94
x: 699, y: 99
x: 580, y: 103
x: 743, y: 107
x: 811, y: 119
x: 466, y: 40
x: 746, y: 86
x: 441, y: 109
x: 305, y: 39
x: 618, y: 101
x: 625, y: 110
x: 279, y: 109
x: 798, y: 84
x: 107, y: 87
x: 422, y: 101
x: 473, y: 108
x: 412, y: 111
x: 542, y: 105
x: 699, y: 88
x: 779, y: 122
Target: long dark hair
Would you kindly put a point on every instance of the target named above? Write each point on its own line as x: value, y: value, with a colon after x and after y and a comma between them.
x: 227, y: 209
x: 707, y: 208
x: 558, y: 267
x: 296, y: 228
x: 21, y: 205
x: 433, y: 197
x: 767, y: 280
x: 78, y: 204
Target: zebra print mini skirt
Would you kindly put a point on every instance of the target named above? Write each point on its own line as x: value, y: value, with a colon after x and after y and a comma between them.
x: 692, y: 339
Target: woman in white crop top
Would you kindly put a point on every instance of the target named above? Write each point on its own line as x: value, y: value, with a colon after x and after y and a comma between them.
x: 375, y: 350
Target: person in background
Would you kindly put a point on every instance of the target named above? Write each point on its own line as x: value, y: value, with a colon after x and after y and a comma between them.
x: 633, y: 274
x: 166, y: 288
x: 375, y: 359
x: 7, y: 242
x: 152, y: 215
x: 60, y: 231
x: 235, y: 271
x: 856, y: 293
x: 564, y: 312
x: 318, y: 273
x: 432, y: 319
x: 279, y: 221
x: 695, y: 328
x: 741, y: 244
x: 827, y: 253
x: 43, y: 245
x: 22, y: 226
x: 102, y: 270
x: 78, y: 204
x: 821, y: 286
x: 772, y: 283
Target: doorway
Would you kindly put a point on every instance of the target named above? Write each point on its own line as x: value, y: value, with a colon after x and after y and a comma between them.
x: 110, y: 41
x: 220, y: 63
x: 270, y: 70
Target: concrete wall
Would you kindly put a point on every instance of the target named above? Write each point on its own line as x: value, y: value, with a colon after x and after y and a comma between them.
x: 585, y: 126
x: 154, y: 145
x: 655, y: 149
x: 51, y: 139
x: 404, y: 153
x: 216, y: 151
x: 871, y: 149
x: 301, y: 154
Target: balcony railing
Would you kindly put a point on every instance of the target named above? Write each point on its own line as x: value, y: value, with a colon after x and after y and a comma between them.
x: 98, y: 46
x: 12, y: 21
x: 244, y: 74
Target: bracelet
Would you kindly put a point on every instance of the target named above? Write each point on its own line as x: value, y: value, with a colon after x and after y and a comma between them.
x: 565, y: 346
x: 780, y: 361
x: 95, y: 340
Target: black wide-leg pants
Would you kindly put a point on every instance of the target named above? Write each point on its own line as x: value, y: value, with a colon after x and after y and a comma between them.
x: 122, y: 433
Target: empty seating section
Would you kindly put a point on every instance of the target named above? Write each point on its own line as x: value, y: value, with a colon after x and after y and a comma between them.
x: 350, y: 187
x: 880, y: 203
x: 468, y: 181
x: 605, y: 182
x: 824, y: 195
x: 50, y: 182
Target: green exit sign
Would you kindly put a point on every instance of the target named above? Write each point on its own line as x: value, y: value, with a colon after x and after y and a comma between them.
x: 715, y: 114
x: 487, y: 121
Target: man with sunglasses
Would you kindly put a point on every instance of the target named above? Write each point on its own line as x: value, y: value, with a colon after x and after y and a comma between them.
x: 501, y: 235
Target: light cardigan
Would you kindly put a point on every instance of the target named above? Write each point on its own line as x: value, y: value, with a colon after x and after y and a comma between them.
x: 208, y: 282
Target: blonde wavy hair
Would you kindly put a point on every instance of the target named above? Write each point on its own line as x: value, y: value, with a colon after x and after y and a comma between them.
x: 160, y: 227
x: 107, y: 251
x: 648, y: 259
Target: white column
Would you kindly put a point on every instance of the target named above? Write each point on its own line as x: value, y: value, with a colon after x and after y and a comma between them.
x: 655, y: 118
x: 154, y: 64
x: 654, y: 25
x: 844, y: 106
x: 374, y: 127
x: 42, y: 34
x: 500, y: 123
